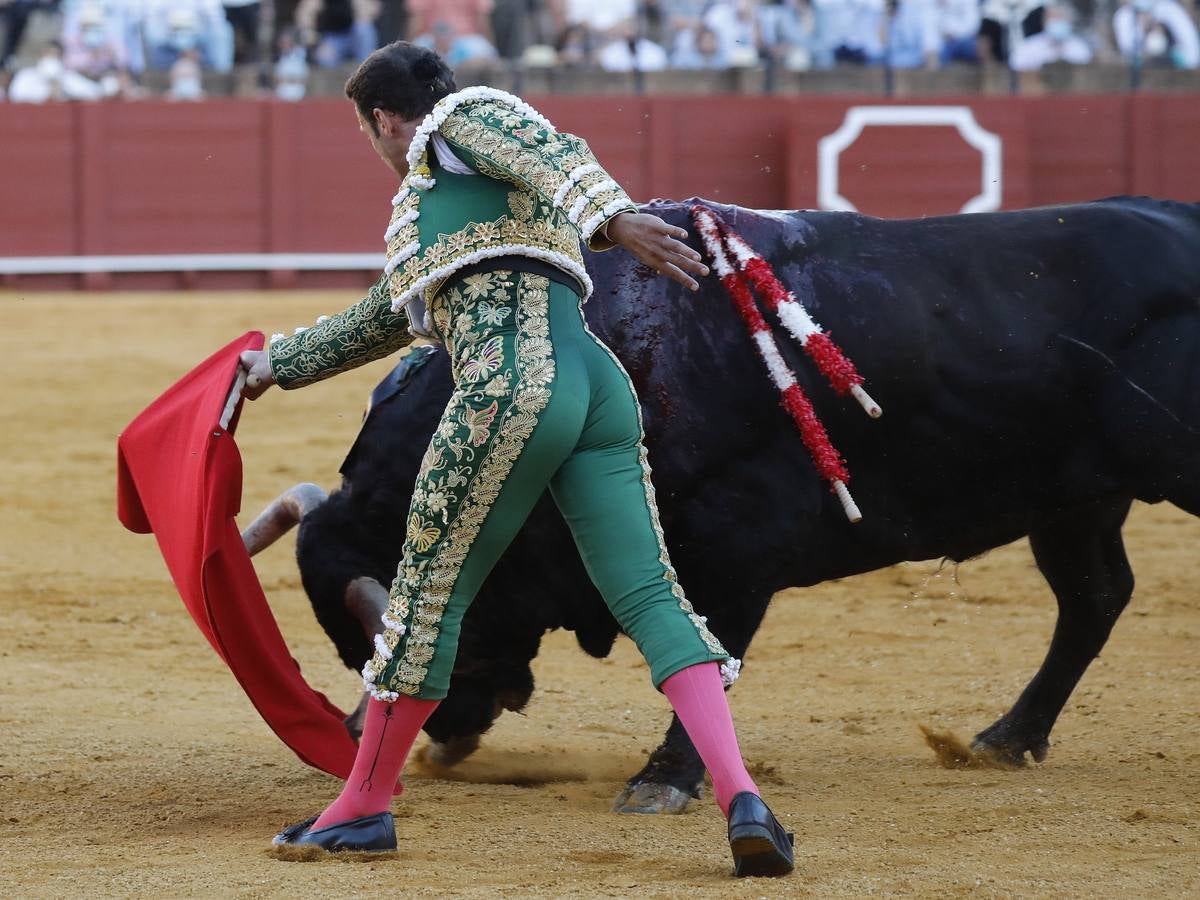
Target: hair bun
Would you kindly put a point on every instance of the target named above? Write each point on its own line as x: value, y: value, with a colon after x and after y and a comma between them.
x: 426, y: 67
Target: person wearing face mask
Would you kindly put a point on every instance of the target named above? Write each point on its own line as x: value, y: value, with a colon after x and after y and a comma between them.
x: 291, y: 68
x: 95, y: 39
x: 1056, y: 42
x: 50, y: 79
x: 1157, y: 32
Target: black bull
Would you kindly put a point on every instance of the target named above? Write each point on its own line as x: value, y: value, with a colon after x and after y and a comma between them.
x: 1038, y: 370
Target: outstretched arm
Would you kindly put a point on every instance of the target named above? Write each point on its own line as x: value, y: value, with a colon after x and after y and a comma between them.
x: 367, y: 331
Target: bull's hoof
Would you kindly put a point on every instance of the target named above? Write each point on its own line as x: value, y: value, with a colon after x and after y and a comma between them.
x: 646, y: 798
x: 452, y: 752
x: 1010, y: 756
x: 1006, y: 745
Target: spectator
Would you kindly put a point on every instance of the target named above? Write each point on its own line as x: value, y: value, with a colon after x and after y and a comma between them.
x: 15, y: 16
x: 467, y: 17
x: 913, y: 38
x: 1157, y: 32
x: 853, y: 31
x: 339, y: 31
x: 592, y: 25
x: 574, y: 46
x: 50, y: 79
x: 629, y: 51
x: 244, y: 17
x: 1057, y: 42
x: 291, y: 68
x: 678, y: 22
x: 174, y: 27
x: 187, y: 77
x: 514, y: 26
x: 699, y: 49
x: 958, y: 22
x: 456, y: 49
x: 788, y: 33
x: 736, y: 25
x: 101, y: 38
x: 1005, y: 24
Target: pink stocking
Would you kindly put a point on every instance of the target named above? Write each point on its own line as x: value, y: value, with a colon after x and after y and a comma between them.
x: 388, y: 735
x: 698, y: 697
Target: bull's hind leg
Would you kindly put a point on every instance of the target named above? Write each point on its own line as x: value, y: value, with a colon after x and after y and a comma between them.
x: 1083, y: 559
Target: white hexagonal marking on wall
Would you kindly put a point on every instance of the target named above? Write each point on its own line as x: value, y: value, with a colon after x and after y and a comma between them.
x: 830, y: 148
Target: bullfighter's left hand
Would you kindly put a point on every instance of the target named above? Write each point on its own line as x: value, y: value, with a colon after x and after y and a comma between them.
x: 258, y: 370
x: 659, y: 246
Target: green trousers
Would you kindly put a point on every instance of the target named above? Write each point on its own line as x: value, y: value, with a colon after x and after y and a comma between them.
x: 539, y: 402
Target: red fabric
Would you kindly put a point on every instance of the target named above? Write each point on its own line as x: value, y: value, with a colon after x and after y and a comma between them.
x: 179, y: 475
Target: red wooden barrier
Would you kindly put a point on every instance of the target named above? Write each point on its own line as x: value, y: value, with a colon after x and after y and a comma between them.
x: 264, y: 177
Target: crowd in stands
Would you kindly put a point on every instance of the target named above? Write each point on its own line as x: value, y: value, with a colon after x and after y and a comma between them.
x: 88, y: 49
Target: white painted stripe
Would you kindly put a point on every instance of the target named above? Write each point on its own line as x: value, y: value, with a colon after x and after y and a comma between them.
x: 740, y: 248
x: 780, y: 373
x: 707, y: 226
x: 191, y: 262
x: 797, y: 320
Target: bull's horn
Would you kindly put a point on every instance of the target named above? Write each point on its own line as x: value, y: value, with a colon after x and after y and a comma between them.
x: 284, y: 514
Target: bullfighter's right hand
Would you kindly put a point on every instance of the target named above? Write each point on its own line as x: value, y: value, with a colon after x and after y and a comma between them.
x: 257, y: 365
x: 658, y: 245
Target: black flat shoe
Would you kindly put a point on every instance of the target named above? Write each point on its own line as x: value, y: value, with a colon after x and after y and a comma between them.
x: 759, y: 844
x: 369, y: 834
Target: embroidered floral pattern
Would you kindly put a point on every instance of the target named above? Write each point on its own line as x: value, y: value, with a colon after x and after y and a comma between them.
x: 483, y: 432
x: 560, y: 167
x: 366, y: 331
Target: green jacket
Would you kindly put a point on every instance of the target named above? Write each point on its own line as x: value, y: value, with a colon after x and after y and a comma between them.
x: 533, y: 192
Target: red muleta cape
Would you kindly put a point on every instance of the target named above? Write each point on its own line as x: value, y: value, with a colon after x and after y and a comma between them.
x: 179, y: 475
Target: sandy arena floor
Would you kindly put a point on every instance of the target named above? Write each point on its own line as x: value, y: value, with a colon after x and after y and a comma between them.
x: 131, y: 763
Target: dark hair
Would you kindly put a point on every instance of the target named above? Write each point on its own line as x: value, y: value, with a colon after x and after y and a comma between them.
x: 401, y: 78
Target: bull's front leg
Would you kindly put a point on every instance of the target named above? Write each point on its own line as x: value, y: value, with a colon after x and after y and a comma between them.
x: 1083, y: 559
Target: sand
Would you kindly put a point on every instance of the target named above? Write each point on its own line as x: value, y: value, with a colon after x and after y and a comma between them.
x: 132, y: 764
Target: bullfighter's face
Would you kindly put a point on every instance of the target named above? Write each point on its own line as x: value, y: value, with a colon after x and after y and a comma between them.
x: 390, y: 135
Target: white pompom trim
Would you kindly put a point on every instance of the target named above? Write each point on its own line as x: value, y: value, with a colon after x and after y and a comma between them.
x: 588, y: 228
x: 405, y: 253
x: 381, y: 647
x: 577, y: 175
x: 432, y: 122
x: 730, y: 670
x: 394, y: 228
x: 577, y: 209
x: 276, y: 337
x: 603, y: 187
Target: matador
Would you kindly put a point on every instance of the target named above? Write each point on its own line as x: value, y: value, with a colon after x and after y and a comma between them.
x: 484, y: 256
